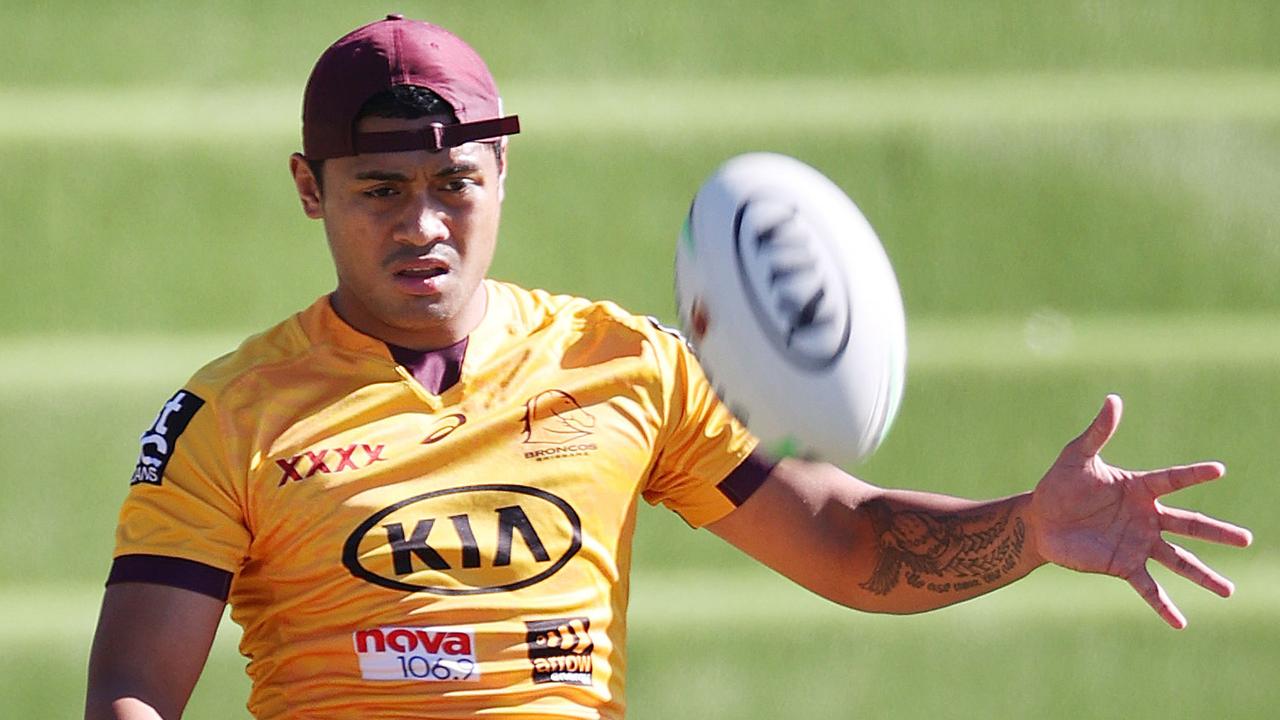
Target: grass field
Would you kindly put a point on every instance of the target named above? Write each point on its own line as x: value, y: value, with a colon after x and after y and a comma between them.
x: 1078, y: 198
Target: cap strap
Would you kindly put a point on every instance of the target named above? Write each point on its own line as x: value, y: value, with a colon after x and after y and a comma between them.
x: 436, y: 137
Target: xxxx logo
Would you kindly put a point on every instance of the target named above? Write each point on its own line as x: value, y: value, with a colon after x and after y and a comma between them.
x: 332, y: 460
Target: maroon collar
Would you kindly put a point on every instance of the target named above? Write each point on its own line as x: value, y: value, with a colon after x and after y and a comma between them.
x: 437, y: 370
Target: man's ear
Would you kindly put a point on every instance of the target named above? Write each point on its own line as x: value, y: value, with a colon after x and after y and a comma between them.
x: 308, y: 186
x: 502, y: 168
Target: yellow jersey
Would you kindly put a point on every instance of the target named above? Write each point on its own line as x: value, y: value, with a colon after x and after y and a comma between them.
x: 392, y: 553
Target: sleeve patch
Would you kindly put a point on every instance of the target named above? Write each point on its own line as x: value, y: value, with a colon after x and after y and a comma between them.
x: 172, y: 572
x: 745, y: 479
x: 159, y: 440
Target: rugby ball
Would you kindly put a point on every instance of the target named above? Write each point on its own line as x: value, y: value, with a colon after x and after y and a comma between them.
x: 792, y: 308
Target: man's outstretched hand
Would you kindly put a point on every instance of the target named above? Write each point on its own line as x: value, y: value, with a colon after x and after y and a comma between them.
x: 1093, y: 517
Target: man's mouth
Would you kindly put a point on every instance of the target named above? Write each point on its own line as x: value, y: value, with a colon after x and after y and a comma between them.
x: 421, y: 272
x: 420, y: 267
x: 420, y: 276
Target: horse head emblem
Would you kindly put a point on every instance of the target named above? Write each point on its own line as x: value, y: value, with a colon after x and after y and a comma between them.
x: 554, y: 417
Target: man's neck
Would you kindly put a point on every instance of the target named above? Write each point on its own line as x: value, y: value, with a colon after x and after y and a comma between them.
x: 423, y: 336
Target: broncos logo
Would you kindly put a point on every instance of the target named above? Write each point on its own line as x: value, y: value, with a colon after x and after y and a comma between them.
x: 554, y: 417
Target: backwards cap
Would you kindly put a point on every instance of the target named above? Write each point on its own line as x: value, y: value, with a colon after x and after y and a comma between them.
x: 390, y: 52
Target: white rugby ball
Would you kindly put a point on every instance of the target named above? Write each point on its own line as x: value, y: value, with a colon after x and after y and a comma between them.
x: 793, y: 309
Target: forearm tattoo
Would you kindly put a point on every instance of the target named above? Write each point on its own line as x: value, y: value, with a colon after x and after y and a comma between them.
x: 942, y: 553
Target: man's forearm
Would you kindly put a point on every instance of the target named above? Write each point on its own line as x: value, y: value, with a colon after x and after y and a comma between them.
x: 925, y: 551
x: 898, y: 551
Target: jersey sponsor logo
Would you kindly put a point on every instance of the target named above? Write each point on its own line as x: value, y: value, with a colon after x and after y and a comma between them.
x: 444, y: 427
x: 428, y: 654
x: 792, y: 283
x: 159, y: 440
x: 555, y: 421
x: 328, y: 461
x: 560, y: 650
x: 467, y: 540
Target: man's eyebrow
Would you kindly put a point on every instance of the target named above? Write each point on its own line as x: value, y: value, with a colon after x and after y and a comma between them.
x: 462, y: 167
x: 385, y: 175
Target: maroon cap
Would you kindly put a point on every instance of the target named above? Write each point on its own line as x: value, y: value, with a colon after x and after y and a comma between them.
x: 391, y: 52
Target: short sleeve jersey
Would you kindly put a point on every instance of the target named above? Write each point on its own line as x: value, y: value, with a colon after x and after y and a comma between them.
x: 395, y: 553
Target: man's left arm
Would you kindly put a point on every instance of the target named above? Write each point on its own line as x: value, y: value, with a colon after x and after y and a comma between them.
x: 899, y: 551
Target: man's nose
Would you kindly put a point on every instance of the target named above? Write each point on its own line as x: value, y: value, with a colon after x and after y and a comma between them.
x: 422, y: 223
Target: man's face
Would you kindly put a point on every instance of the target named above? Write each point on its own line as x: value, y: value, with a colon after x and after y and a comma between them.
x: 412, y: 235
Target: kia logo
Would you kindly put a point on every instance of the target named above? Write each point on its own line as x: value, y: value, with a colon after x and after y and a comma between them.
x: 465, y: 541
x: 792, y: 282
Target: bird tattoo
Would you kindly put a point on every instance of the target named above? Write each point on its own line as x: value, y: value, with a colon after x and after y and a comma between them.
x: 959, y: 552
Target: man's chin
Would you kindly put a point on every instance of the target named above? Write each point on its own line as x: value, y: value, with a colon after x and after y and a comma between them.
x: 425, y: 316
x: 424, y: 312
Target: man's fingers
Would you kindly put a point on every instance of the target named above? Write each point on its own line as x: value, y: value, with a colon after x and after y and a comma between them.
x: 1150, y: 590
x: 1202, y: 527
x: 1104, y: 425
x: 1186, y: 564
x: 1163, y: 482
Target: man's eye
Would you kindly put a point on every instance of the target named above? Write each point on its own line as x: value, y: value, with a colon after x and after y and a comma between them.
x: 457, y: 185
x: 380, y: 192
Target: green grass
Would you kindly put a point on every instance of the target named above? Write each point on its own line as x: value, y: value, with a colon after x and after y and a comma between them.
x: 208, y: 43
x: 1078, y: 197
x: 1054, y: 646
x: 1008, y: 220
x: 687, y: 108
x: 715, y: 636
x: 983, y: 415
x: 741, y: 642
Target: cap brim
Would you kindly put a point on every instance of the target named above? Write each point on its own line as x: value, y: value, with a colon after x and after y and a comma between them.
x: 436, y: 136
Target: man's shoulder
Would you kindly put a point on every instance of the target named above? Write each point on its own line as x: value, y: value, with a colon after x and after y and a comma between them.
x: 537, y: 309
x: 581, y: 333
x: 279, y: 346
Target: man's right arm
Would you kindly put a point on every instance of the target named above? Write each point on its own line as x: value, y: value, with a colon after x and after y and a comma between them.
x: 150, y: 646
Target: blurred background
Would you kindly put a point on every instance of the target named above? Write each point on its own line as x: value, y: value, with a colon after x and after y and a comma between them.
x: 1079, y: 198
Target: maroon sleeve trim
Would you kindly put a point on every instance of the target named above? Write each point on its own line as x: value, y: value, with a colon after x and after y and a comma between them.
x: 745, y: 479
x: 173, y: 572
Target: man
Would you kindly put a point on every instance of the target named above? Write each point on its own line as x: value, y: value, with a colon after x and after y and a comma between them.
x: 418, y: 494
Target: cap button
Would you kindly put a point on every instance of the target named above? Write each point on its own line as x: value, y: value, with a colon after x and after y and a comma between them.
x: 395, y: 16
